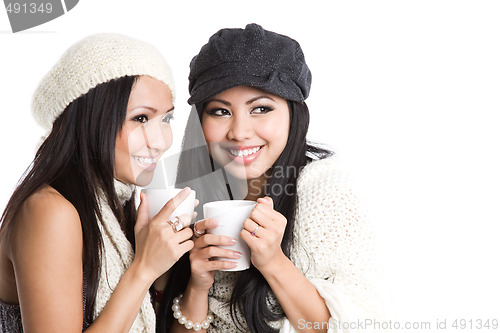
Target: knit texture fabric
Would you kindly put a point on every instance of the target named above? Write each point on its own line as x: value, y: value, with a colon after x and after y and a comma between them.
x: 94, y: 60
x: 117, y: 257
x: 10, y: 318
x: 333, y: 246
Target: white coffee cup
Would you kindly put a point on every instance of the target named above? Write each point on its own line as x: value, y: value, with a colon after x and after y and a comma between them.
x: 158, y: 198
x: 231, y: 214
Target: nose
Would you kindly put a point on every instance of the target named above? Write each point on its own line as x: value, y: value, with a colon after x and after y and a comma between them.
x: 241, y: 128
x: 158, y: 137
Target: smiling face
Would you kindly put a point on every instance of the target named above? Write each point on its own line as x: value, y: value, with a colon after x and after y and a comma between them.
x: 246, y: 130
x: 145, y: 134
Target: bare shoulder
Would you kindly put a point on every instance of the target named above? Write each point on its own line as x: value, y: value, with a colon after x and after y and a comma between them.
x: 48, y: 200
x: 46, y: 246
x: 45, y: 215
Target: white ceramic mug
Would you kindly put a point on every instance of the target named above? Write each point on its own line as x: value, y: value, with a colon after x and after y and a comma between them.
x: 159, y: 197
x: 231, y: 214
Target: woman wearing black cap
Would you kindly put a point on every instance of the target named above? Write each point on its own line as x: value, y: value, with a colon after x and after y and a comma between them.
x: 313, y: 267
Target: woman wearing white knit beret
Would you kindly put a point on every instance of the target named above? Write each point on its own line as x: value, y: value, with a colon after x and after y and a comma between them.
x: 313, y: 267
x: 75, y: 253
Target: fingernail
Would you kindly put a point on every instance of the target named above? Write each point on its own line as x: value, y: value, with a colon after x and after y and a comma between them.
x: 237, y: 255
x: 232, y: 241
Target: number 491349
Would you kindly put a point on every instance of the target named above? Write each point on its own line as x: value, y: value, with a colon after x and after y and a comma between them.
x: 29, y: 8
x: 478, y: 324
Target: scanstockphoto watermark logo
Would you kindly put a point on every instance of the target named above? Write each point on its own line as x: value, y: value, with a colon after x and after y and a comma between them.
x: 28, y: 14
x: 374, y: 325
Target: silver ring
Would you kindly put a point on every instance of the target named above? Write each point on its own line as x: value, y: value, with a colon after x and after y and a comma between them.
x: 176, y: 224
x: 197, y: 232
x: 253, y: 232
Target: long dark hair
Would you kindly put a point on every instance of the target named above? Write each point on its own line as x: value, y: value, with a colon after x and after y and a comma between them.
x: 77, y: 159
x: 251, y: 291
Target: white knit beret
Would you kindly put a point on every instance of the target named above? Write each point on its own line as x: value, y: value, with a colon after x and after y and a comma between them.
x: 94, y: 60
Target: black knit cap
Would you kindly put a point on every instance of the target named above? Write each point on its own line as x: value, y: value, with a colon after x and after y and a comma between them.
x: 252, y: 56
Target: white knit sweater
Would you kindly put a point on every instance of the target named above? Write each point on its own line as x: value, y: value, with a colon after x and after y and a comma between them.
x: 117, y: 257
x: 333, y: 247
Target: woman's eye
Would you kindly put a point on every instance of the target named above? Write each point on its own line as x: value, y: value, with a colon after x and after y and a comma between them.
x: 219, y: 112
x: 141, y: 119
x: 261, y: 109
x: 167, y: 118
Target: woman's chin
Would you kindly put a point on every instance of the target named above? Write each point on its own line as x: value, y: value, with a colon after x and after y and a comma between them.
x: 242, y: 172
x: 144, y: 179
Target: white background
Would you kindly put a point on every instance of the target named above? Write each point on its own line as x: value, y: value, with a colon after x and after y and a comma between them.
x: 406, y: 92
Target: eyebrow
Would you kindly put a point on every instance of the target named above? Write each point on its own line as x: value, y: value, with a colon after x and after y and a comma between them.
x: 219, y: 101
x: 250, y: 101
x: 260, y: 97
x: 154, y: 110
